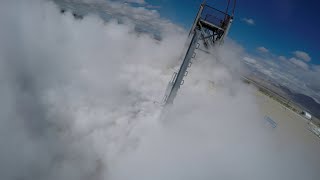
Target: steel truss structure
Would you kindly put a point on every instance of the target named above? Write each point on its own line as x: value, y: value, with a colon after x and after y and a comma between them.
x: 210, y: 27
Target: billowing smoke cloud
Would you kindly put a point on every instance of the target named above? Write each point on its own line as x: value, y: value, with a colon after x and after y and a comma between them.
x: 71, y: 90
x: 78, y: 102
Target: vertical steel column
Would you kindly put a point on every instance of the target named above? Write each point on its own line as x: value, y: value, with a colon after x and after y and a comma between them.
x: 196, y: 21
x: 183, y: 68
x: 227, y: 30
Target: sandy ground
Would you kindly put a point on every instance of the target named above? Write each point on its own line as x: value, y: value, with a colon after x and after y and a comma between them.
x: 296, y: 148
x: 287, y: 121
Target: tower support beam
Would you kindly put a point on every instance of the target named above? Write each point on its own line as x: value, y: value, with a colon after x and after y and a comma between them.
x: 177, y: 81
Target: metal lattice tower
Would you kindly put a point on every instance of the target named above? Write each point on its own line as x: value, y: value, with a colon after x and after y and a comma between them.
x: 210, y: 26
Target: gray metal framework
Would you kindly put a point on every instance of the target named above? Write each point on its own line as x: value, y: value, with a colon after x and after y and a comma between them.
x: 211, y: 26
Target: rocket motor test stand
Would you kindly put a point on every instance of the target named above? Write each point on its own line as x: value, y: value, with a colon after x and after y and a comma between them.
x: 210, y: 27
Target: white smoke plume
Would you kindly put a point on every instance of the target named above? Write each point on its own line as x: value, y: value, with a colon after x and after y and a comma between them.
x: 77, y: 103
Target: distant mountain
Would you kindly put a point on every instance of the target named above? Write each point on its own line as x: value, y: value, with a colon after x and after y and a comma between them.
x: 305, y: 101
x: 308, y: 102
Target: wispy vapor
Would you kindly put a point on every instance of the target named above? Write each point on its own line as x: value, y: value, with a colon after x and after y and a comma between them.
x: 299, y: 63
x: 248, y: 21
x: 263, y: 49
x: 302, y: 55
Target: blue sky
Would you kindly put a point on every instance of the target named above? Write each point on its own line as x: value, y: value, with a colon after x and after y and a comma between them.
x: 280, y: 26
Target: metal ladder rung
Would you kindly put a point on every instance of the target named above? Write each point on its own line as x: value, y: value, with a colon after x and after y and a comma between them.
x: 194, y: 55
x: 186, y: 74
x: 182, y: 82
x: 198, y: 45
x: 174, y: 76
